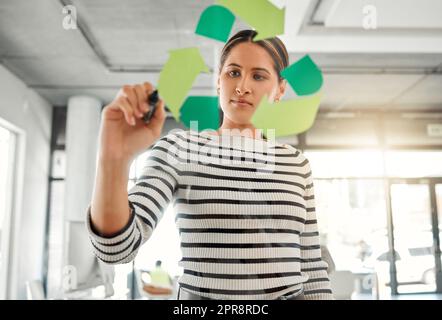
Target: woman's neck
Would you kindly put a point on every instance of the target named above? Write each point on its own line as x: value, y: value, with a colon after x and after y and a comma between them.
x: 247, y: 130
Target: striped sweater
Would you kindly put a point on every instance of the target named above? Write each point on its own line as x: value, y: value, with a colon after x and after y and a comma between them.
x: 245, y: 214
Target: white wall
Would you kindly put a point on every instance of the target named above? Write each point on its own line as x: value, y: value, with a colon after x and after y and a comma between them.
x: 27, y: 110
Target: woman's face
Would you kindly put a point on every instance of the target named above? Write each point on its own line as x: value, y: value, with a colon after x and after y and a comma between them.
x: 246, y: 76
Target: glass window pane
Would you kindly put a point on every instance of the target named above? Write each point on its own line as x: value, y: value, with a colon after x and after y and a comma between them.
x: 163, y: 245
x: 55, y: 240
x: 413, y: 236
x: 122, y: 273
x: 334, y: 164
x: 7, y: 163
x: 352, y: 223
x: 4, y: 169
x: 439, y: 210
x: 121, y: 282
x: 409, y: 164
x: 59, y: 129
x: 4, y: 195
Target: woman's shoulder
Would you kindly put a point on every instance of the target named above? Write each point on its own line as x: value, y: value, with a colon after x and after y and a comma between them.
x: 298, y: 155
x: 295, y: 151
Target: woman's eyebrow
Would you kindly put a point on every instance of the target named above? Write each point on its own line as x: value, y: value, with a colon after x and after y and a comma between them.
x: 234, y: 65
x: 260, y: 69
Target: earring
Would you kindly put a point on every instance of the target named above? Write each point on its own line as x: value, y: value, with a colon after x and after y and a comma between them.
x: 217, y: 90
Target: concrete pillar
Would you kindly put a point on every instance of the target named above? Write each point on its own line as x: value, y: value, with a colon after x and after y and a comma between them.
x: 79, y: 265
x: 82, y: 128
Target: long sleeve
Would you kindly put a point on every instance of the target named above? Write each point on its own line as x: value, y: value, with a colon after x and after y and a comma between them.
x: 148, y: 199
x: 317, y: 286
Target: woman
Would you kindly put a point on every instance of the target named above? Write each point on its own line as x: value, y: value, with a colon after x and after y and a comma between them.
x: 246, y: 232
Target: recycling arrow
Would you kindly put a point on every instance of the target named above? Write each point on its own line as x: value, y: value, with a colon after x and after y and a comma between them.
x: 262, y: 15
x: 287, y: 117
x: 216, y: 23
x: 178, y: 75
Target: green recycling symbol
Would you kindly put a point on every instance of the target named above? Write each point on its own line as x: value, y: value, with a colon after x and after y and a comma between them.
x: 184, y: 65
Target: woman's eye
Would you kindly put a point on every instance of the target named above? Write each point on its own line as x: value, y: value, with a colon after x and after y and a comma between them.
x: 258, y: 77
x: 234, y: 73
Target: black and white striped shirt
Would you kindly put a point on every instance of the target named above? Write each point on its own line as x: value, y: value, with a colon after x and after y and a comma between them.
x: 244, y: 210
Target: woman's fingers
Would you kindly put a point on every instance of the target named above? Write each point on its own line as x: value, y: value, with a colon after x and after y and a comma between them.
x: 142, y: 98
x: 160, y: 113
x: 129, y: 93
x: 158, y: 117
x: 132, y: 101
x: 148, y: 88
x: 127, y: 109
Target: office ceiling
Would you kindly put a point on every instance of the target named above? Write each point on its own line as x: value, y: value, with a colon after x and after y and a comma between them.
x: 396, y: 66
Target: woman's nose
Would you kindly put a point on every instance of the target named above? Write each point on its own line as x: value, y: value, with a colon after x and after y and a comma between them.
x: 242, y: 87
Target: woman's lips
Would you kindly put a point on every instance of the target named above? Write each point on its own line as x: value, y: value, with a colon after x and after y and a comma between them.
x: 241, y: 103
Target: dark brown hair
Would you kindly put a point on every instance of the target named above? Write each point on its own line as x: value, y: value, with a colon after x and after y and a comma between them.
x: 274, y: 46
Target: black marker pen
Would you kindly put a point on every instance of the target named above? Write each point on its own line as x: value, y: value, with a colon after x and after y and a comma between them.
x: 152, y: 101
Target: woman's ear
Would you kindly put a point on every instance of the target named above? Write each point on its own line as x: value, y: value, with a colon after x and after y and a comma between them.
x: 281, y: 90
x: 218, y: 85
